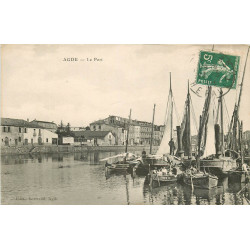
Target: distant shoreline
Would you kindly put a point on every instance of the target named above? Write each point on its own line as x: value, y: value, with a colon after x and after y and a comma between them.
x: 51, y: 149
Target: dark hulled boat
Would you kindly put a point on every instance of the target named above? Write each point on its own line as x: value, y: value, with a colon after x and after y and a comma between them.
x: 200, y: 180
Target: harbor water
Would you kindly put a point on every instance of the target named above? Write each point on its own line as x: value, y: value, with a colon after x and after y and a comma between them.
x: 80, y: 178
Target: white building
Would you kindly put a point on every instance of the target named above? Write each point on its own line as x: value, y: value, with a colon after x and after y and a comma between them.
x: 39, y: 136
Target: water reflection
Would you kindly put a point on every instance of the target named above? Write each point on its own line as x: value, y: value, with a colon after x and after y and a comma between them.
x: 80, y: 178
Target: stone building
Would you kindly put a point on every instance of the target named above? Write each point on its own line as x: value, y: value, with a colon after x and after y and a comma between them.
x: 118, y: 131
x: 51, y: 126
x: 94, y: 138
x: 18, y: 132
x: 139, y: 131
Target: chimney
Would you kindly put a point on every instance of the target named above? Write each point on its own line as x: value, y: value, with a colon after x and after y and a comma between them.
x: 28, y: 120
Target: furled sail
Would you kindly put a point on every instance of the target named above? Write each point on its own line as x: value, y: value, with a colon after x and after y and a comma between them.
x: 206, y: 136
x: 209, y: 147
x: 186, y: 128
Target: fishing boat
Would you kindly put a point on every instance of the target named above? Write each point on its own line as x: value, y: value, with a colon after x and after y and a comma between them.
x: 200, y: 180
x: 124, y: 161
x: 165, y: 156
x: 120, y: 162
x: 194, y: 177
x: 220, y: 164
x: 214, y: 161
x: 185, y: 150
x: 164, y: 176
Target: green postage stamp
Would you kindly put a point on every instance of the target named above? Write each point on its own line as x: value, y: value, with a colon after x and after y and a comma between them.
x: 216, y: 69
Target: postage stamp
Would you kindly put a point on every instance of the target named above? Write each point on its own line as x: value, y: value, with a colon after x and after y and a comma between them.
x: 217, y: 69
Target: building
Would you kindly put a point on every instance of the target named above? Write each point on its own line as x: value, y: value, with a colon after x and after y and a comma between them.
x: 139, y: 131
x: 134, y: 134
x: 94, y: 138
x: 51, y: 126
x: 18, y: 132
x: 118, y: 131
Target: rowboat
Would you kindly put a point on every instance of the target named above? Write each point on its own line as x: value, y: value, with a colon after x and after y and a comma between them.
x: 120, y: 162
x: 164, y: 176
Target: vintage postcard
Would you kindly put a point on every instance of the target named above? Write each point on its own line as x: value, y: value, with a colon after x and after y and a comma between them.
x: 125, y: 124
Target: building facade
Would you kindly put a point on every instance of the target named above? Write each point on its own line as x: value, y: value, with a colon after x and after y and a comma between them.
x: 139, y: 131
x: 18, y: 132
x: 94, y: 138
x: 51, y: 126
x: 118, y: 131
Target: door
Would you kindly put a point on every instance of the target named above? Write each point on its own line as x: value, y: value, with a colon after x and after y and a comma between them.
x: 40, y: 140
x: 6, y: 141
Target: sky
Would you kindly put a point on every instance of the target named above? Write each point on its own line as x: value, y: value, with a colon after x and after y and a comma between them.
x: 38, y: 84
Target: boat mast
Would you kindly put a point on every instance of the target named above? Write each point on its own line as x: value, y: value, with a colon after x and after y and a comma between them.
x: 188, y: 125
x: 203, y: 122
x: 242, y: 82
x: 235, y: 116
x: 152, y: 132
x: 126, y: 149
x: 221, y: 122
x: 171, y: 115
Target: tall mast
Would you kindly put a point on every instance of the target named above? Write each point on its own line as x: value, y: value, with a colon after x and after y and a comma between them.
x: 242, y: 81
x: 152, y: 132
x: 235, y: 116
x: 203, y: 121
x: 171, y: 115
x: 126, y: 149
x: 221, y: 122
x: 188, y: 124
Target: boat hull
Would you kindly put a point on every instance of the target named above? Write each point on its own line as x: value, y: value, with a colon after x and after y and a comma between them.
x: 218, y: 167
x: 163, y: 179
x: 121, y: 167
x: 204, y: 181
x: 238, y: 176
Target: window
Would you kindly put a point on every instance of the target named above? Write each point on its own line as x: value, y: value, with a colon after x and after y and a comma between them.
x: 19, y: 139
x: 20, y: 130
x: 47, y: 140
x: 100, y: 127
x: 8, y: 129
x: 4, y: 129
x: 25, y: 130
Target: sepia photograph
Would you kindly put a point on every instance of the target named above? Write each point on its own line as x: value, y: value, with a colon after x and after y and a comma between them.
x: 125, y: 124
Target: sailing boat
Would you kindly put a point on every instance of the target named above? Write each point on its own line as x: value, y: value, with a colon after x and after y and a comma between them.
x: 164, y: 156
x: 217, y: 163
x: 234, y: 138
x: 167, y: 146
x: 163, y: 169
x: 193, y: 177
x: 184, y: 134
x: 121, y: 162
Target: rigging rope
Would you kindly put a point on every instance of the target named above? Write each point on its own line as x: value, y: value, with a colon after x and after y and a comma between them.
x: 166, y: 113
x: 177, y: 115
x: 228, y: 118
x: 193, y: 114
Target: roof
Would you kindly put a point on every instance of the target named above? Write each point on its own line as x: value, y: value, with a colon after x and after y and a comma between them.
x: 100, y: 122
x: 51, y: 123
x: 90, y: 134
x: 18, y: 123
